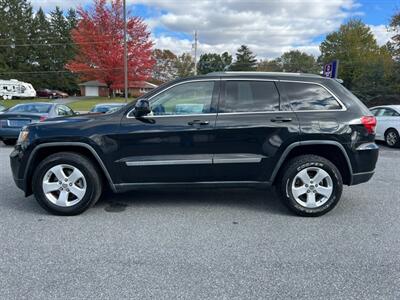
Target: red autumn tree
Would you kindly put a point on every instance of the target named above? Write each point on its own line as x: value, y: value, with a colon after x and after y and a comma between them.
x: 99, y: 37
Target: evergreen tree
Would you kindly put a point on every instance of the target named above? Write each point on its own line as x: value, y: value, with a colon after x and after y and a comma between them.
x: 15, y: 29
x: 63, y: 49
x: 41, y: 49
x: 245, y: 60
x: 213, y: 62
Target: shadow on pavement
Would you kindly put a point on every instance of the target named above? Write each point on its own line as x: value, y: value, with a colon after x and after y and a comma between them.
x: 261, y: 200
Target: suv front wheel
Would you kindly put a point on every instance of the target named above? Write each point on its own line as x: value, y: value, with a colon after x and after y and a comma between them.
x: 66, y: 183
x: 310, y: 185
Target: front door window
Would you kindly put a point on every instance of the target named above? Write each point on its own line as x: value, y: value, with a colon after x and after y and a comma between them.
x: 190, y: 98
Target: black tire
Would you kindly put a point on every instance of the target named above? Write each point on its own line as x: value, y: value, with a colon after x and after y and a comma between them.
x: 9, y: 142
x: 288, y: 175
x: 392, y: 138
x: 85, y: 166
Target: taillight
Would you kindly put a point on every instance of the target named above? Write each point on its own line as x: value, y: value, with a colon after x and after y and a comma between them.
x: 42, y: 118
x: 369, y: 123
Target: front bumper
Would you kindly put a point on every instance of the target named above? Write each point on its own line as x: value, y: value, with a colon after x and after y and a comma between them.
x: 16, y: 159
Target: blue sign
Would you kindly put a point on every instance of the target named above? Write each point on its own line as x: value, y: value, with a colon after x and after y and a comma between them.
x: 331, y: 69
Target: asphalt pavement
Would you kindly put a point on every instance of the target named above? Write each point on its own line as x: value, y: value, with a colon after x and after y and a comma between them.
x: 204, y: 244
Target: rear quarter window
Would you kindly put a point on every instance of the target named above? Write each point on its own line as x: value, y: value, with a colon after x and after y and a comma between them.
x: 309, y: 96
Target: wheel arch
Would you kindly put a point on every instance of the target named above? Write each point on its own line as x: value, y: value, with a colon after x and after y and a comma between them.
x: 46, y: 149
x: 391, y: 128
x: 331, y: 150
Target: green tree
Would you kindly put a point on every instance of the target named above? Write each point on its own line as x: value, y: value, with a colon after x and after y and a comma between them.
x: 245, y: 60
x: 164, y: 70
x: 63, y: 49
x: 16, y: 17
x: 213, y: 62
x: 273, y: 65
x: 184, y: 65
x: 41, y: 49
x: 364, y: 66
x: 297, y: 61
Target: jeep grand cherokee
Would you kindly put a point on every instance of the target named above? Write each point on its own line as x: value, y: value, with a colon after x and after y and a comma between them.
x: 304, y: 134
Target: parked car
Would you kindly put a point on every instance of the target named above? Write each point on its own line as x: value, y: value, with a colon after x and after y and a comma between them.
x: 46, y: 93
x: 2, y: 108
x: 12, y: 121
x: 105, y: 107
x: 388, y: 128
x: 60, y: 94
x: 305, y: 134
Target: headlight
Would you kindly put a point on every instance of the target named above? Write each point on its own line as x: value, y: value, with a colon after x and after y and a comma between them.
x: 23, y: 136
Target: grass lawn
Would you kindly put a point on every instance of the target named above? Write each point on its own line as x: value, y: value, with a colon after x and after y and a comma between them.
x: 9, y: 103
x: 86, y: 105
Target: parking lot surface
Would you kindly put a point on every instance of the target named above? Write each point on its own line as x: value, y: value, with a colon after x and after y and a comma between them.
x: 201, y: 244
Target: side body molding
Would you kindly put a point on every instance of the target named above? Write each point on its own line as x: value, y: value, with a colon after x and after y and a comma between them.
x: 76, y: 144
x: 307, y: 143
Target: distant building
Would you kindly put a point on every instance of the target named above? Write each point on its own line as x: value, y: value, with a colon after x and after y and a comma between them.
x: 95, y: 88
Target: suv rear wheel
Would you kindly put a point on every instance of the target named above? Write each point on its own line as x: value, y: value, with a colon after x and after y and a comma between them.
x: 66, y: 183
x: 310, y: 185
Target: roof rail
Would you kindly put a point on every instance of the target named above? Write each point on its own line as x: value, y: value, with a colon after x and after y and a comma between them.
x: 262, y: 73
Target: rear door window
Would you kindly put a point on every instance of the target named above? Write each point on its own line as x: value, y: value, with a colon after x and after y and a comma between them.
x: 309, y: 96
x: 250, y: 96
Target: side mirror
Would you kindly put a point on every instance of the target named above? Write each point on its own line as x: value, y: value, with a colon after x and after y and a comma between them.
x: 142, y: 108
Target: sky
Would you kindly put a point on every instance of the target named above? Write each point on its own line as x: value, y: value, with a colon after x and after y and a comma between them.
x: 268, y: 27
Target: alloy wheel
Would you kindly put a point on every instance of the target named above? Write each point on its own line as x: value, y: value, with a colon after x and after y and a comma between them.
x: 64, y: 185
x: 312, y: 187
x: 391, y: 138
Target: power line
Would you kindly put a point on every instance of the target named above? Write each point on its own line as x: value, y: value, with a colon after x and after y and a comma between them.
x: 59, y: 71
x: 56, y: 44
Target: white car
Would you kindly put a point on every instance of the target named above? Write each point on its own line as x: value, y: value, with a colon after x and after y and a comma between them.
x: 388, y: 128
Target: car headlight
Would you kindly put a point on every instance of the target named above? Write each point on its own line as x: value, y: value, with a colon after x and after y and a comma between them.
x: 23, y: 136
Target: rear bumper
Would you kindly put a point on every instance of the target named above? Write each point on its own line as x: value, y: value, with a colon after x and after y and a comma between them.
x: 365, y: 157
x: 361, y: 177
x: 9, y: 133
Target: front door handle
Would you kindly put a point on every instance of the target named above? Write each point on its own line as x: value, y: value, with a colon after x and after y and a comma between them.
x: 281, y: 119
x: 198, y: 122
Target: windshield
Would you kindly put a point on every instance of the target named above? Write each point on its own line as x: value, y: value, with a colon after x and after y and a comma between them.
x: 32, y: 108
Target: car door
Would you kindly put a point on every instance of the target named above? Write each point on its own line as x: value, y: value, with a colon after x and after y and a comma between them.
x: 252, y: 125
x: 175, y: 143
x: 386, y: 118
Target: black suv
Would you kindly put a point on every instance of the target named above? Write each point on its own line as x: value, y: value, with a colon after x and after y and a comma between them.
x: 305, y: 134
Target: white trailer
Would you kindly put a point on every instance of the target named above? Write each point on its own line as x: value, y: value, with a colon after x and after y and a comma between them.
x: 13, y: 88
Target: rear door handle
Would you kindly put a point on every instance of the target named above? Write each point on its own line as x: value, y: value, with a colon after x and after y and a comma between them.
x: 281, y: 119
x: 198, y: 122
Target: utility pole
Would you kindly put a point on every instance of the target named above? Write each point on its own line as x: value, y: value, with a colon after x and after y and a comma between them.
x: 195, y: 52
x: 125, y: 57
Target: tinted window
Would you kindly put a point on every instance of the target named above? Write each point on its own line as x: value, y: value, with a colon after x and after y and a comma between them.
x: 64, y: 111
x: 31, y: 108
x: 184, y: 99
x: 375, y: 111
x: 250, y: 96
x: 305, y: 96
x: 388, y: 112
x: 105, y: 108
